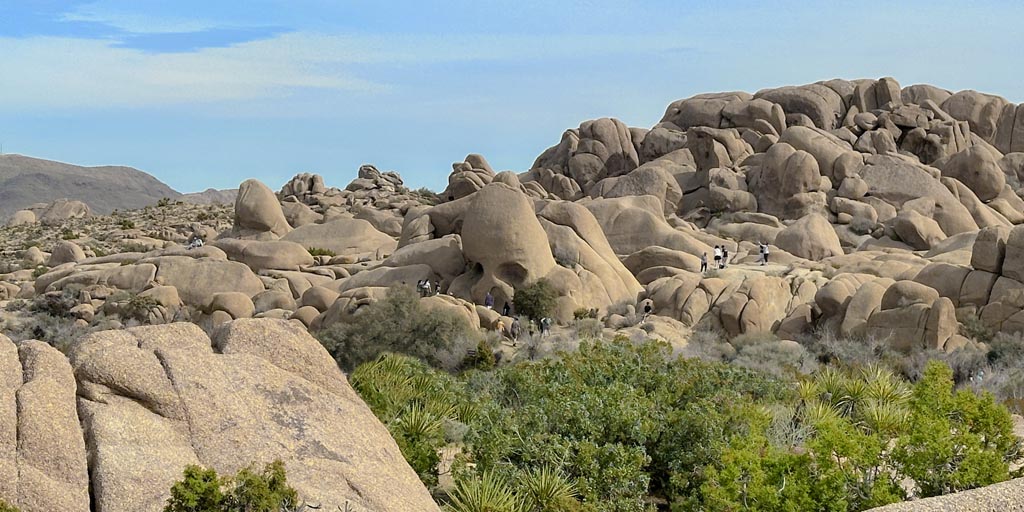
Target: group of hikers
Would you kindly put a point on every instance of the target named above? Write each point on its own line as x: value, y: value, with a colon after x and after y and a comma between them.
x: 721, y: 255
x: 515, y: 330
x: 426, y: 289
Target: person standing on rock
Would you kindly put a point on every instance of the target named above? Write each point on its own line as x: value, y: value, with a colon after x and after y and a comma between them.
x: 437, y: 287
x: 505, y: 311
x: 764, y: 254
x: 489, y: 301
x: 647, y: 311
x: 500, y: 327
x: 718, y: 256
x: 725, y: 256
x: 704, y: 262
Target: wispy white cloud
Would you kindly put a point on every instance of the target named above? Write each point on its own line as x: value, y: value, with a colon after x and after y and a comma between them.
x: 47, y: 72
x: 136, y: 22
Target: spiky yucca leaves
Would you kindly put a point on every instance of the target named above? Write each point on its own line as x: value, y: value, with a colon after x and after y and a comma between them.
x: 488, y: 493
x: 887, y: 418
x: 547, y: 488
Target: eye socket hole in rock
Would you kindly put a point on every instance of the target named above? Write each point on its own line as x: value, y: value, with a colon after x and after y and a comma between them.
x: 512, y: 272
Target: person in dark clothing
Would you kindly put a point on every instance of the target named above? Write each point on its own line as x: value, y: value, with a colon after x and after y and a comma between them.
x: 704, y: 262
x: 515, y: 330
x: 505, y: 311
x: 489, y: 301
x: 725, y: 256
x: 647, y: 311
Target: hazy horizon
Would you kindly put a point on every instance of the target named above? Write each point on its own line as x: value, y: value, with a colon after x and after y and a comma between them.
x: 204, y: 96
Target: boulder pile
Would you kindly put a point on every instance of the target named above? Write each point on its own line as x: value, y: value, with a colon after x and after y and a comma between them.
x: 887, y: 211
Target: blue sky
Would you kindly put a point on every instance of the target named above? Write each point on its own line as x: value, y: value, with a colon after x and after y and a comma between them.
x: 206, y: 94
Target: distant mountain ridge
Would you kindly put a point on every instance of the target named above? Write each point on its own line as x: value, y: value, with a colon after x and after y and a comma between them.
x: 25, y: 181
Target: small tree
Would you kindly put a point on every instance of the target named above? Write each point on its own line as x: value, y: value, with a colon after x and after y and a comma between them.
x: 202, y: 490
x: 537, y: 300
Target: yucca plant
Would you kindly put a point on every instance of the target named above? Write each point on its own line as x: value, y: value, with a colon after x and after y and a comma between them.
x: 417, y: 423
x: 817, y: 411
x: 546, y: 488
x: 489, y: 493
x: 882, y: 417
x: 832, y: 384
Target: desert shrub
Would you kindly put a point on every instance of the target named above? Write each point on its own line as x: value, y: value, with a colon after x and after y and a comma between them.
x: 589, y: 328
x: 482, y: 358
x: 581, y: 313
x: 426, y: 196
x: 58, y: 303
x: 973, y: 328
x: 862, y: 225
x: 536, y: 301
x: 624, y: 421
x: 414, y: 402
x: 318, y: 251
x: 140, y: 307
x: 4, y: 507
x: 708, y: 344
x: 16, y: 305
x: 203, y: 217
x: 39, y: 271
x: 59, y: 332
x: 776, y: 358
x: 202, y: 490
x: 163, y: 202
x: 1006, y: 350
x: 956, y: 441
x: 869, y: 433
x: 127, y: 224
x: 399, y: 324
x: 68, y: 234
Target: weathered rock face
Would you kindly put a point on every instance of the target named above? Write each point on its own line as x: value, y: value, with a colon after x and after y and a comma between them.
x: 61, y: 210
x: 501, y: 234
x: 42, y: 453
x: 344, y: 236
x: 151, y: 400
x: 811, y: 237
x: 258, y: 214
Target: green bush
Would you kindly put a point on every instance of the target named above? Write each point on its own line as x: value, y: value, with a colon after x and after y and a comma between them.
x: 4, y: 507
x: 163, y: 202
x: 68, y: 234
x: 536, y: 301
x: 317, y: 251
x: 202, y: 490
x: 414, y: 402
x: 399, y: 324
x: 615, y: 426
x: 127, y: 224
x: 39, y: 271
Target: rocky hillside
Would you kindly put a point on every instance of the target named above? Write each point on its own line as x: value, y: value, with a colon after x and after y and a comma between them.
x: 26, y: 181
x: 892, y: 217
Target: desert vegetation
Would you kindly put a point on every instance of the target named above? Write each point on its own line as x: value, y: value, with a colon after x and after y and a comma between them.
x: 622, y: 426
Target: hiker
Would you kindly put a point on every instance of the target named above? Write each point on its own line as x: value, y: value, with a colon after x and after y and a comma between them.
x: 718, y: 256
x: 725, y: 256
x: 545, y: 326
x: 505, y: 311
x: 764, y: 254
x: 419, y: 287
x: 489, y: 301
x: 647, y: 311
x: 515, y: 330
x: 500, y: 327
x: 437, y: 287
x: 704, y: 262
